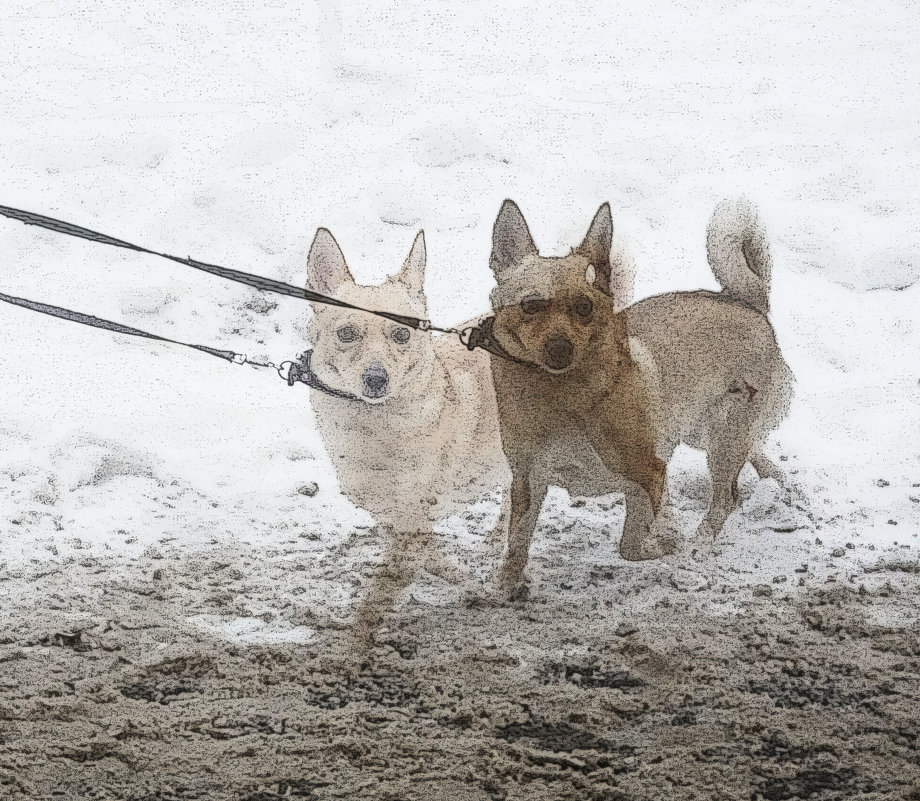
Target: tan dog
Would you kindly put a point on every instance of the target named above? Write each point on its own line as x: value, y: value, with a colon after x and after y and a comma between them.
x: 418, y: 439
x: 600, y: 396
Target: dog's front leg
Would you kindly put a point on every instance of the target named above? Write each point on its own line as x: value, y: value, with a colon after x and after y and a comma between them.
x: 626, y: 446
x: 444, y: 566
x: 527, y: 496
x: 403, y: 552
x: 638, y: 541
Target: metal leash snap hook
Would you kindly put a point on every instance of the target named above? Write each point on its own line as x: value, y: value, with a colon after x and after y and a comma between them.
x: 239, y: 358
x: 286, y: 371
x: 468, y: 337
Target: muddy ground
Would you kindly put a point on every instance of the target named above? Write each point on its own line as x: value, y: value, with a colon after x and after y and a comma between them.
x: 216, y: 670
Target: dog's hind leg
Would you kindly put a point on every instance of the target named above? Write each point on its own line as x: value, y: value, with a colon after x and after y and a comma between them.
x: 728, y: 451
x: 794, y: 494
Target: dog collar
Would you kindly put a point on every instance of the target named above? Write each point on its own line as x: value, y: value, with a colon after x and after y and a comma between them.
x: 300, y: 371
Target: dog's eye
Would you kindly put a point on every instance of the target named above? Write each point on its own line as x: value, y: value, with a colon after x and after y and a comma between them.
x: 401, y: 336
x: 583, y: 306
x: 533, y: 305
x: 347, y: 333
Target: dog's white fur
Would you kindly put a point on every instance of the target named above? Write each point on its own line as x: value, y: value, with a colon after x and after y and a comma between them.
x: 425, y: 449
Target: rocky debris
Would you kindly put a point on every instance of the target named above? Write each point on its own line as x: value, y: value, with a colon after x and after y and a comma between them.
x: 561, y: 697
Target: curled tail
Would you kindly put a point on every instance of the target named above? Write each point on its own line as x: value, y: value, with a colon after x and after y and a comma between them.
x: 739, y: 254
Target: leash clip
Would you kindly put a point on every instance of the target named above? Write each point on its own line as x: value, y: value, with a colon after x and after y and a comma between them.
x: 287, y: 371
x: 294, y: 371
x: 471, y: 337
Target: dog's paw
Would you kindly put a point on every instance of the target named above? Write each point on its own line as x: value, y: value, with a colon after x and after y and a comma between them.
x: 705, y: 534
x: 648, y: 547
x: 662, y: 546
x: 360, y: 643
x: 518, y: 592
x: 631, y: 551
x: 447, y: 569
x: 513, y: 585
x: 704, y: 545
x: 484, y: 594
x: 795, y: 497
x: 363, y: 635
x: 702, y: 551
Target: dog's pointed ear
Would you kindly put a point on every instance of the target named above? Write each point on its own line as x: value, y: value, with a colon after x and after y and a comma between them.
x: 596, y: 246
x: 511, y: 239
x: 326, y: 267
x: 412, y: 274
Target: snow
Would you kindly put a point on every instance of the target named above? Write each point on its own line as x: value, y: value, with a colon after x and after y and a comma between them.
x: 174, y: 609
x: 211, y: 130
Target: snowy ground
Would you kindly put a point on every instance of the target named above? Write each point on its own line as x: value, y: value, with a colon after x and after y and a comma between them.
x: 173, y: 607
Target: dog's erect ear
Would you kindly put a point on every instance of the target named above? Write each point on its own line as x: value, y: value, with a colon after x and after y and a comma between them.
x: 596, y: 246
x: 412, y: 274
x: 326, y: 267
x: 511, y: 239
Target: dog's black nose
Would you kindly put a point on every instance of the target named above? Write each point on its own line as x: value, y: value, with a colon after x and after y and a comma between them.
x: 558, y: 352
x: 376, y: 382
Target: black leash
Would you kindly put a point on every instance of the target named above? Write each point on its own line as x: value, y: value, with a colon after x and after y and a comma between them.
x: 257, y: 281
x: 96, y: 322
x: 296, y: 371
x: 474, y: 337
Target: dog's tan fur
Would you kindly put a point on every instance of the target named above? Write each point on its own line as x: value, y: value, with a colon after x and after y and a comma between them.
x: 719, y: 380
x: 581, y: 425
x: 422, y: 451
x: 699, y: 367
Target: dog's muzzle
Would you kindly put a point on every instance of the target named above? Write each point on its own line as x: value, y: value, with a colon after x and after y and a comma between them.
x: 558, y: 353
x: 376, y: 382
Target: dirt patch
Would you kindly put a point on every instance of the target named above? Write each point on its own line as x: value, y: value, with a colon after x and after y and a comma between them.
x: 610, y: 682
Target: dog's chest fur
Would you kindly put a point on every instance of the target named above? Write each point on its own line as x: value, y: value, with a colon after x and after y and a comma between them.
x: 414, y: 460
x: 543, y: 419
